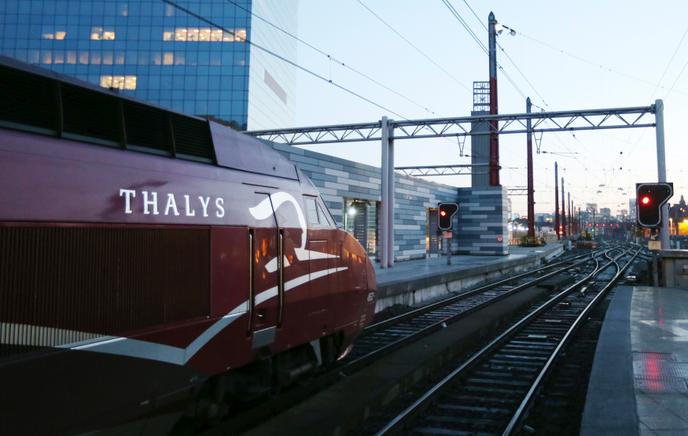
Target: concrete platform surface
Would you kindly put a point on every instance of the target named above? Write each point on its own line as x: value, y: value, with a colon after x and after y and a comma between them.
x: 418, y: 282
x: 424, y: 268
x: 639, y: 379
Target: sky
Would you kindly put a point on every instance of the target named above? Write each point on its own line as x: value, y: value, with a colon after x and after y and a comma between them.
x: 574, y: 55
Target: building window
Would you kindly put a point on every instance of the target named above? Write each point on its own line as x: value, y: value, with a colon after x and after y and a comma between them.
x: 59, y: 35
x: 101, y: 34
x: 203, y: 34
x: 118, y: 82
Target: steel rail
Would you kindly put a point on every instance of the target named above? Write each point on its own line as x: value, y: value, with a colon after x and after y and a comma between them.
x: 363, y: 360
x: 244, y: 419
x: 518, y: 416
x: 424, y: 401
x: 470, y: 292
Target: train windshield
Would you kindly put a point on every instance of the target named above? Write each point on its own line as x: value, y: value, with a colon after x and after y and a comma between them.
x: 325, y: 213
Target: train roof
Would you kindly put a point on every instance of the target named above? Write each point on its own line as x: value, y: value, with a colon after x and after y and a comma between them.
x: 40, y: 101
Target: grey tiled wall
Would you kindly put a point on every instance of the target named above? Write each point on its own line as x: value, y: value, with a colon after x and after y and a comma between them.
x: 482, y: 221
x: 338, y: 179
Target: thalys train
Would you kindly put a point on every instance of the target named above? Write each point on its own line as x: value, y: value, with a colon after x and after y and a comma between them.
x: 152, y: 262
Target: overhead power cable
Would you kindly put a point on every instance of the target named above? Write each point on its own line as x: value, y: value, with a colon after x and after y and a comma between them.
x: 591, y: 63
x: 422, y: 53
x: 523, y: 75
x: 282, y: 58
x: 475, y: 15
x: 332, y: 58
x: 678, y: 46
x: 676, y: 81
x: 509, y: 58
x: 475, y: 38
x: 465, y: 25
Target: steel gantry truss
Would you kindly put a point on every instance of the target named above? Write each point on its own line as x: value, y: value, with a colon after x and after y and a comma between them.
x: 387, y: 131
x: 441, y: 170
x: 560, y: 121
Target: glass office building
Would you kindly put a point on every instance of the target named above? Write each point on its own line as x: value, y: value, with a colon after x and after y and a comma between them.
x: 189, y: 56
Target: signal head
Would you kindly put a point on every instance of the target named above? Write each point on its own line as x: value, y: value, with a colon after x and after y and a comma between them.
x: 650, y: 199
x: 446, y: 212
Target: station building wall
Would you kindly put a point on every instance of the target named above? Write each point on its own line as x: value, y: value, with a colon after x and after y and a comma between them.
x: 478, y: 224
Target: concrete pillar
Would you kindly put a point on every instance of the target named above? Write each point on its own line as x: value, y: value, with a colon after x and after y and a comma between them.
x: 387, y: 206
x: 661, y: 170
x: 384, y: 211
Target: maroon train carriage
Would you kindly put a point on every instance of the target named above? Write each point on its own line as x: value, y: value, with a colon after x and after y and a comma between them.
x: 151, y: 259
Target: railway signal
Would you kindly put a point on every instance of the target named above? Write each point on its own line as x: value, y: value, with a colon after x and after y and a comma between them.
x: 446, y: 212
x: 650, y: 197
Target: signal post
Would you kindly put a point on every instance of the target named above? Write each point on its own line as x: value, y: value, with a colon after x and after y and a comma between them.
x: 445, y: 213
x: 652, y: 213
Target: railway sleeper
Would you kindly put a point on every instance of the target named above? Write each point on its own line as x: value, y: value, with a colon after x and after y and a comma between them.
x: 471, y: 410
x: 492, y: 382
x: 440, y: 432
x: 467, y: 424
x: 505, y: 375
x: 478, y: 400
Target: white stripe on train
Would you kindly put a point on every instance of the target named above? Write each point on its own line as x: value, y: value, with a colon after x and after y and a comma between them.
x: 20, y: 334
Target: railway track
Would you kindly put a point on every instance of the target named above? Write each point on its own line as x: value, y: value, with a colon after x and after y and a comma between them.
x: 383, y: 337
x: 386, y: 336
x: 491, y: 392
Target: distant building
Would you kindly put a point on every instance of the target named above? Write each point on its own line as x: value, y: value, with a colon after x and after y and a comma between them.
x: 544, y: 218
x: 150, y: 50
x: 606, y: 212
x: 678, y: 214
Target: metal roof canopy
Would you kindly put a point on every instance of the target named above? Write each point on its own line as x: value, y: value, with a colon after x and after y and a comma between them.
x: 387, y: 131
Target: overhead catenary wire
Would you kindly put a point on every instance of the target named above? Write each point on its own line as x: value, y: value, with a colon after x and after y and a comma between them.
x: 421, y: 52
x: 509, y: 58
x: 475, y: 38
x: 676, y: 81
x: 591, y: 63
x: 332, y: 58
x: 465, y: 25
x: 671, y: 59
x: 284, y: 59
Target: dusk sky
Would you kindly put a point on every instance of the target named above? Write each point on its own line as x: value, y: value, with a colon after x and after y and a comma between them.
x: 581, y: 55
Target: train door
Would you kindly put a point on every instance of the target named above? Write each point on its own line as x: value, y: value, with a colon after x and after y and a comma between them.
x: 292, y: 238
x: 319, y: 241
x: 266, y: 292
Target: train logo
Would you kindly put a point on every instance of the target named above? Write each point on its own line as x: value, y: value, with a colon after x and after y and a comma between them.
x: 263, y: 210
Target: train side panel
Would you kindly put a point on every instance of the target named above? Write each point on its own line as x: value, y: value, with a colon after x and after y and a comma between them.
x: 164, y: 273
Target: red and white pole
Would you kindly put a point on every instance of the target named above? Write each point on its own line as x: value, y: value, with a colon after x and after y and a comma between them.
x: 494, y: 138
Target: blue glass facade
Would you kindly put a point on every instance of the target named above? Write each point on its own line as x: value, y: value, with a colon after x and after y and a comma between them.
x: 146, y: 49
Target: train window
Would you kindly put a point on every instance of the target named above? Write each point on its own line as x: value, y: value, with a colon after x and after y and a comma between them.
x: 311, y: 210
x: 324, y: 213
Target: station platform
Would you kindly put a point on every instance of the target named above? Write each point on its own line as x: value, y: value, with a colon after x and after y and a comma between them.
x: 416, y: 282
x: 639, y: 379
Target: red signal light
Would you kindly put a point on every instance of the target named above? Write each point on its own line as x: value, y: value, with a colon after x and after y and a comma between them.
x: 446, y: 212
x: 645, y: 200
